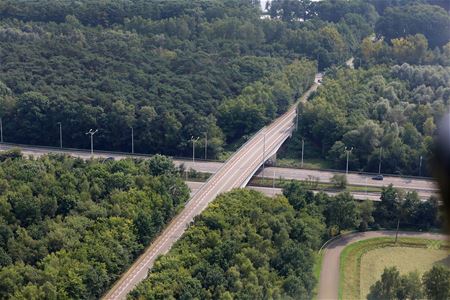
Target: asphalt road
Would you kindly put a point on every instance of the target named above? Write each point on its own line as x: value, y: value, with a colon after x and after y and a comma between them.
x: 425, y: 187
x: 268, y: 191
x: 329, y: 275
x: 233, y: 174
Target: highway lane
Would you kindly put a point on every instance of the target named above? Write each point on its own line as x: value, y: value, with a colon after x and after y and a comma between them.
x: 194, y: 186
x: 409, y: 183
x: 234, y: 173
x: 419, y: 184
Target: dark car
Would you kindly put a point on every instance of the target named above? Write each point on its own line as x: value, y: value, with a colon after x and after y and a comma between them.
x: 378, y: 177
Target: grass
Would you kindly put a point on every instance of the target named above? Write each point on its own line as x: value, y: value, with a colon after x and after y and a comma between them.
x: 374, y: 262
x: 364, y: 261
x: 268, y: 182
x: 317, y: 268
x: 311, y: 163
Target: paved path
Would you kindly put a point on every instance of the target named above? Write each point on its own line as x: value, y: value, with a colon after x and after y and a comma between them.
x: 329, y: 276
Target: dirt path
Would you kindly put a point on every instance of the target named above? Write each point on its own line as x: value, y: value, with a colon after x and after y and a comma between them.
x: 329, y: 276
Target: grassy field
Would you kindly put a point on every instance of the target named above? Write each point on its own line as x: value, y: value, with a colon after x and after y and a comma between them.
x: 374, y: 262
x: 362, y: 263
x: 317, y: 268
x: 312, y: 163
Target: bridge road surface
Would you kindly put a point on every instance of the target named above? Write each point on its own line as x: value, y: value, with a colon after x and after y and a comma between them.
x: 235, y: 173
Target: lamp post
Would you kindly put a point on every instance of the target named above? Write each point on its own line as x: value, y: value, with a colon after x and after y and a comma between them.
x: 420, y: 166
x: 303, y: 148
x: 132, y: 140
x: 193, y: 147
x: 60, y: 135
x: 273, y: 184
x: 1, y: 130
x: 206, y: 145
x: 379, y: 165
x: 91, y: 133
x: 348, y: 153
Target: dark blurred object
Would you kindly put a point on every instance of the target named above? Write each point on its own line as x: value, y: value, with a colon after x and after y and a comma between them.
x: 441, y: 163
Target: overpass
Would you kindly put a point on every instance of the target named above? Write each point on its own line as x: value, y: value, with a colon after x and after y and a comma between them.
x: 236, y: 172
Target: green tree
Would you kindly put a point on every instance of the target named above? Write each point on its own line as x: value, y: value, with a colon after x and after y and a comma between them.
x: 437, y: 283
x: 342, y: 212
x: 432, y: 21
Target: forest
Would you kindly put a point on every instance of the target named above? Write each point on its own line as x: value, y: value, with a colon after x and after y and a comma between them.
x: 388, y: 112
x: 249, y: 246
x: 168, y: 69
x: 172, y: 70
x: 69, y: 228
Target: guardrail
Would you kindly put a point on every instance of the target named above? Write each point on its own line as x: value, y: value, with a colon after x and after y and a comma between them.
x: 335, y: 238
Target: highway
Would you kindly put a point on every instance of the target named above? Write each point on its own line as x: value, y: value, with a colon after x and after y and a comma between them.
x: 421, y: 185
x: 234, y: 173
x: 194, y: 186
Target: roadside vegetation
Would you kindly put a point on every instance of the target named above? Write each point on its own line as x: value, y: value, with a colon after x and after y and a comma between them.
x: 69, y: 228
x: 363, y: 262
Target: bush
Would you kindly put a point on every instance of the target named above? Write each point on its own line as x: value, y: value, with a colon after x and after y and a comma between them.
x: 12, y: 154
x: 363, y: 226
x: 339, y: 181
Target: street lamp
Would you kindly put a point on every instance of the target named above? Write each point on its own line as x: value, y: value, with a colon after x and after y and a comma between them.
x: 303, y: 148
x: 132, y: 140
x: 60, y: 135
x: 379, y: 165
x: 193, y: 147
x: 348, y: 153
x: 92, y: 132
x: 420, y: 166
x: 1, y: 130
x: 206, y: 145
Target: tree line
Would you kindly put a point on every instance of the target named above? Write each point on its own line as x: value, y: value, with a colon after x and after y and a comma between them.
x: 434, y: 285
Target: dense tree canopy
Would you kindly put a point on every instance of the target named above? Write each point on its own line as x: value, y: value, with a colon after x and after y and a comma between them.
x: 169, y: 69
x: 389, y: 109
x: 69, y: 228
x: 245, y: 246
x: 431, y: 21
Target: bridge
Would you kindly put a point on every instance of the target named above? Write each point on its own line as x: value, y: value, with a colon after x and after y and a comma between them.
x: 236, y: 172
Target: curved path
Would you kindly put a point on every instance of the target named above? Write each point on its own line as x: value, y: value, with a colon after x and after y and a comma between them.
x: 329, y: 275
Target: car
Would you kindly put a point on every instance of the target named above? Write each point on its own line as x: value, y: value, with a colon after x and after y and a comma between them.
x: 378, y: 177
x: 108, y: 159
